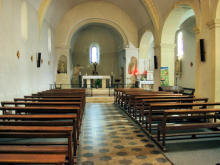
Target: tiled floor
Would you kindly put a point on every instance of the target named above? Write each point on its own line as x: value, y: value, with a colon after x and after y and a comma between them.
x: 109, y: 137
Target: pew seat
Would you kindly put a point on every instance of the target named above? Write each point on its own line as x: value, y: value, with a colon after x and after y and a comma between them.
x: 27, y: 158
x: 165, y: 128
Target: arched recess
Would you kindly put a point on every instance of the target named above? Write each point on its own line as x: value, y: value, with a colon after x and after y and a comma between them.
x: 97, y: 20
x: 97, y: 11
x: 111, y: 51
x: 173, y: 23
x: 146, y: 55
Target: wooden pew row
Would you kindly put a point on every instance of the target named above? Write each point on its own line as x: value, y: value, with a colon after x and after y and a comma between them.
x: 42, y: 120
x: 79, y: 97
x: 131, y: 97
x: 73, y: 100
x: 136, y: 101
x: 61, y: 96
x: 206, y: 114
x: 48, y: 110
x: 37, y: 132
x: 118, y: 92
x: 125, y: 93
x: 153, y: 113
x: 48, y: 104
x: 145, y: 103
x: 127, y: 96
x: 121, y: 94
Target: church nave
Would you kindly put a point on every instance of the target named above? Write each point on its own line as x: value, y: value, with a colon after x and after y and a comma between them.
x: 110, y: 137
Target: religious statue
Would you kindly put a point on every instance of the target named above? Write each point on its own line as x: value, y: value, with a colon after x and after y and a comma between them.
x: 61, y: 68
x: 132, y: 70
x: 62, y: 65
x: 75, y: 74
x: 94, y: 72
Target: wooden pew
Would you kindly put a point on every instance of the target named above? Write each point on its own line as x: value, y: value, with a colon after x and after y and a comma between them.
x: 155, y: 109
x: 36, y: 132
x: 144, y: 104
x: 73, y: 100
x: 127, y: 96
x: 119, y: 91
x: 137, y: 100
x: 48, y: 110
x: 61, y: 96
x: 42, y: 120
x: 164, y: 127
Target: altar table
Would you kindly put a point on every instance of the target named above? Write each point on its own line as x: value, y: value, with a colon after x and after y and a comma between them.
x: 88, y: 79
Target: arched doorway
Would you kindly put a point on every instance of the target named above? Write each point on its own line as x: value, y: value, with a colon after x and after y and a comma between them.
x: 179, y: 29
x: 146, y: 56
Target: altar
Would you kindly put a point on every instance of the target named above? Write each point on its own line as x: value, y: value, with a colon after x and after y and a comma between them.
x: 88, y: 79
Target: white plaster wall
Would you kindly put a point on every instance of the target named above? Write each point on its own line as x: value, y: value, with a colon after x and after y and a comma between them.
x: 187, y: 79
x: 19, y: 77
x: 146, y: 53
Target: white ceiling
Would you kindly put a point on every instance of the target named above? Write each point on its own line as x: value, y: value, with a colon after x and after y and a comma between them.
x: 35, y: 3
x: 134, y: 8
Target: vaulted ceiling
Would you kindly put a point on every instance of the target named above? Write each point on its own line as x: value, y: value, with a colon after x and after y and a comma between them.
x: 134, y: 8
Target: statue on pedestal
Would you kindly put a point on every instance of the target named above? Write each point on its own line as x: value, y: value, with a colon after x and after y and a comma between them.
x: 94, y: 72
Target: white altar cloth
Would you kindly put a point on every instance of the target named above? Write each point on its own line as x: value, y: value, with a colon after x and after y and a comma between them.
x: 88, y: 79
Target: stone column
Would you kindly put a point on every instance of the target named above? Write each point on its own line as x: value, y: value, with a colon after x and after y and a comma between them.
x: 197, y: 62
x: 214, y: 27
x: 157, y: 71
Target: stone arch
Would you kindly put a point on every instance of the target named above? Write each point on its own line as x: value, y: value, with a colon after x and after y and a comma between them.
x: 176, y: 17
x: 96, y: 20
x: 152, y: 10
x: 42, y: 12
x: 101, y: 11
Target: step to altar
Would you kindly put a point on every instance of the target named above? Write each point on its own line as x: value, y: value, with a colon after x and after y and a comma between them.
x: 99, y: 92
x: 100, y: 99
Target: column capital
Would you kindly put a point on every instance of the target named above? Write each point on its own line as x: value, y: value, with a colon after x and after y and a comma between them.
x: 196, y: 30
x: 213, y: 24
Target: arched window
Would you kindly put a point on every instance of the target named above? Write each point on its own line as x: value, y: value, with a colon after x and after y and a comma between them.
x: 49, y: 41
x: 94, y: 53
x: 180, y: 45
x: 24, y: 20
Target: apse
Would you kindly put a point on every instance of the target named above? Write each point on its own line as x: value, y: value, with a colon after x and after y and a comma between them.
x: 107, y: 44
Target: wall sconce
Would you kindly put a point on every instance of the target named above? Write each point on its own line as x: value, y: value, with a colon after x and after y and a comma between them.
x: 18, y: 54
